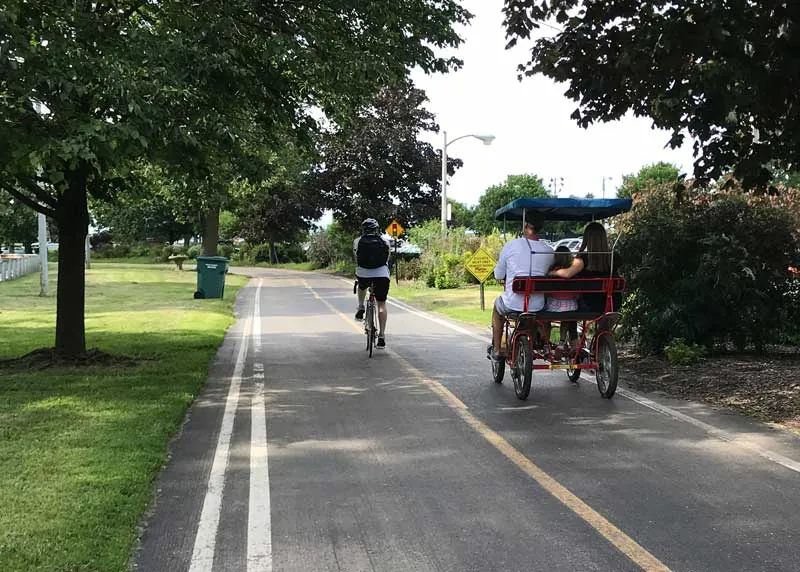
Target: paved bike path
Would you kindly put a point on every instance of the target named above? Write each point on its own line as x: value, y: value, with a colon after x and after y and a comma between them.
x: 372, y: 466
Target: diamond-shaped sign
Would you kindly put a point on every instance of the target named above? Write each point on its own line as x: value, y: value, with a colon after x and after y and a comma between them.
x: 395, y: 229
x: 481, y: 264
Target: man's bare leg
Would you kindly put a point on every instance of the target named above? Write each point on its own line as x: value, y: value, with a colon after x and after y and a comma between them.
x: 498, y: 322
x: 382, y: 314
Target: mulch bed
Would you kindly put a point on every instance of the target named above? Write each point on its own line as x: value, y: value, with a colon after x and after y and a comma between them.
x: 766, y: 387
x: 46, y: 357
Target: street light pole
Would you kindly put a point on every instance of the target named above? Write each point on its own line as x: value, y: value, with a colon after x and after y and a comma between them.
x: 486, y: 139
x: 444, y: 184
x: 604, y: 185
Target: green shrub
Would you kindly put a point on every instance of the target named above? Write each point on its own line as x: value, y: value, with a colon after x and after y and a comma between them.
x: 678, y: 352
x: 345, y: 267
x: 705, y: 266
x: 225, y: 250
x: 410, y: 269
x: 193, y: 251
x: 139, y: 251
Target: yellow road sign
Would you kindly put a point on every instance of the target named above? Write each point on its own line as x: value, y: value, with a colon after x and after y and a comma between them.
x: 481, y: 264
x: 395, y: 229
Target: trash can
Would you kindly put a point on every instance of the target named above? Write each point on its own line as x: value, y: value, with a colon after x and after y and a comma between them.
x: 211, y: 276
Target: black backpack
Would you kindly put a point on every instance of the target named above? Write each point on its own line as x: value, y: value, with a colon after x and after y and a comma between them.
x: 372, y: 251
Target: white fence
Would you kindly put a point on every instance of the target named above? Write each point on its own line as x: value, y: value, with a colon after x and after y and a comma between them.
x: 16, y: 265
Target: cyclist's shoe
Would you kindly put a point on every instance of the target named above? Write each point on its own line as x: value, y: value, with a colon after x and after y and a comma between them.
x: 491, y: 355
x: 360, y: 313
x: 381, y: 342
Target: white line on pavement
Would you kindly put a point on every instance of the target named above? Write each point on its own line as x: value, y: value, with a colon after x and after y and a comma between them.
x: 259, y: 524
x: 710, y: 429
x: 206, y: 538
x: 633, y: 396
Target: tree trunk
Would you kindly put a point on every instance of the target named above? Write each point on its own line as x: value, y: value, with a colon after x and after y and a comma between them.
x: 273, y: 254
x: 73, y: 224
x: 210, y: 222
x: 187, y: 241
x: 27, y: 247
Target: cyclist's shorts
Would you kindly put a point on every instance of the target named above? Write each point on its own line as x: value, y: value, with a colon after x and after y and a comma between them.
x: 380, y: 285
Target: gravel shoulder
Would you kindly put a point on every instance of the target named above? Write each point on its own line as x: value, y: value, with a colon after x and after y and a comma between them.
x: 765, y: 387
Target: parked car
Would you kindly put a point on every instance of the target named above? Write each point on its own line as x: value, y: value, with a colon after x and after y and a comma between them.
x: 572, y: 243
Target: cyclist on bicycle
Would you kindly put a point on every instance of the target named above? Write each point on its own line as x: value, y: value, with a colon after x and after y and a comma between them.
x: 372, y: 269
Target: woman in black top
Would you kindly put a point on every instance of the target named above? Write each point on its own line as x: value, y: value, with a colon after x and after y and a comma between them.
x: 592, y: 261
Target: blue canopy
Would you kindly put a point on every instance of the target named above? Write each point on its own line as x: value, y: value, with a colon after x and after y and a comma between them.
x: 564, y: 209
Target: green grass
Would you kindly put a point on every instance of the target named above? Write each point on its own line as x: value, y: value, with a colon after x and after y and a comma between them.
x: 189, y: 264
x: 462, y: 304
x: 80, y: 447
x: 129, y: 260
x: 304, y: 266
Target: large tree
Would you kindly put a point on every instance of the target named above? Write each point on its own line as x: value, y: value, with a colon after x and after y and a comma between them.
x: 17, y: 222
x: 374, y: 164
x: 514, y: 187
x: 150, y: 209
x: 648, y: 177
x: 723, y: 71
x: 88, y: 88
x: 461, y: 214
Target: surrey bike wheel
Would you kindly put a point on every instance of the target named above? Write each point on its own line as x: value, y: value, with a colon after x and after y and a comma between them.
x: 607, y: 370
x: 575, y: 374
x: 522, y: 369
x: 498, y: 369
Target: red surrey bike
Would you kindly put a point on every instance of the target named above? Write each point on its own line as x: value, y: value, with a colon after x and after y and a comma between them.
x: 525, y: 341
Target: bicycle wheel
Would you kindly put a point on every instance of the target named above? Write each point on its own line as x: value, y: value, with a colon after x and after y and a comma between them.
x: 369, y: 325
x: 498, y: 370
x: 522, y: 370
x: 607, y: 371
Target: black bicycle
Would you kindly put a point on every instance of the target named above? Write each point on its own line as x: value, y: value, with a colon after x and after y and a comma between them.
x: 370, y: 318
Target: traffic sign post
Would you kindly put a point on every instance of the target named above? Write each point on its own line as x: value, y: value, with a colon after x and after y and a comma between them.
x: 395, y: 229
x: 481, y: 266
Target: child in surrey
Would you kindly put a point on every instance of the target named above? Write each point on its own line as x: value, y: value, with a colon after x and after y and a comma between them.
x: 562, y: 301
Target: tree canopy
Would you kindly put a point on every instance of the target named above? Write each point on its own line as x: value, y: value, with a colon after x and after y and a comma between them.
x: 723, y: 72
x: 648, y: 177
x: 514, y: 187
x: 461, y: 214
x: 89, y: 88
x: 374, y: 165
x: 17, y: 222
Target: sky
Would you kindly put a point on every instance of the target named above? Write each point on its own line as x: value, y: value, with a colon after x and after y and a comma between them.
x: 530, y: 120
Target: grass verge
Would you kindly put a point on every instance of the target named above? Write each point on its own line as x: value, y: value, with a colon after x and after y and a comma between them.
x: 80, y: 447
x: 304, y: 266
x: 462, y: 304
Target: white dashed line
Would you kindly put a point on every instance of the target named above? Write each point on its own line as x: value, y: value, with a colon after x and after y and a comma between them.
x: 206, y: 538
x: 259, y: 520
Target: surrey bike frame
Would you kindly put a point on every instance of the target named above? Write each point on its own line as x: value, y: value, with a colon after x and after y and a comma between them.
x: 532, y: 324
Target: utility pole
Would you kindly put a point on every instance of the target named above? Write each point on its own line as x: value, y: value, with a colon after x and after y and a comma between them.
x: 43, y: 278
x: 87, y: 252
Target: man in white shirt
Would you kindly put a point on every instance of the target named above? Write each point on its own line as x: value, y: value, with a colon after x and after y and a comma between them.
x: 524, y: 256
x: 372, y: 269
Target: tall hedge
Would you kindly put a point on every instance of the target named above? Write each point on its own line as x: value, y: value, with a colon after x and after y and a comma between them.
x: 708, y: 266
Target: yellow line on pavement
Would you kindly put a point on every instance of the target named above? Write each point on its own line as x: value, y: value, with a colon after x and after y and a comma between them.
x: 602, y: 525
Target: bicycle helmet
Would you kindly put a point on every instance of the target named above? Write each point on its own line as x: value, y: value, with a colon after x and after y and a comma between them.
x: 370, y: 226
